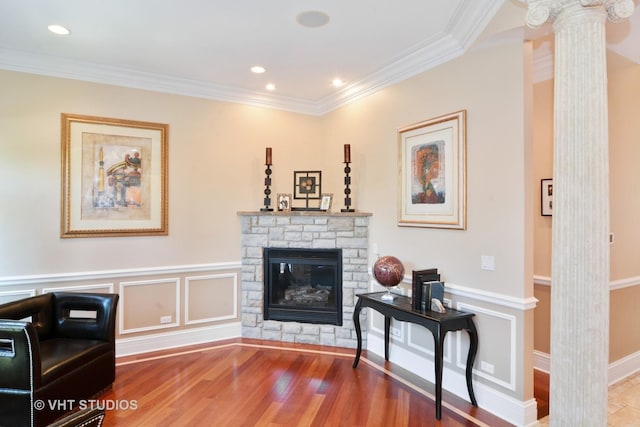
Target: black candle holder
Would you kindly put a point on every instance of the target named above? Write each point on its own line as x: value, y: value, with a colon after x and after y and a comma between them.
x: 347, y: 190
x: 267, y: 190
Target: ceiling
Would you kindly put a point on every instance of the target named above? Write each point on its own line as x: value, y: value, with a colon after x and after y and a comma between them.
x: 205, y: 48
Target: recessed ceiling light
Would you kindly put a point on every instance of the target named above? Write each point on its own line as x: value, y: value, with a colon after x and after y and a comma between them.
x: 59, y: 29
x: 258, y: 69
x: 312, y: 19
x: 337, y: 82
x: 270, y: 87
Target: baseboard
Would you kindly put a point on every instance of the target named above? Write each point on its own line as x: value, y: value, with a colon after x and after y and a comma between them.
x: 506, y: 407
x: 622, y: 368
x: 618, y: 370
x: 167, y: 340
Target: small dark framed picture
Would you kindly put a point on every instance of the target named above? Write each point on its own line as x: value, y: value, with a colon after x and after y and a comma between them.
x: 546, y: 197
x: 284, y: 202
x: 307, y: 184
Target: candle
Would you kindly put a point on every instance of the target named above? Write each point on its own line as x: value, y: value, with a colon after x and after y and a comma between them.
x: 268, y: 160
x: 347, y: 153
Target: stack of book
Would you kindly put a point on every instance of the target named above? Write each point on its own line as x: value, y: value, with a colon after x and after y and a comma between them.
x: 426, y: 285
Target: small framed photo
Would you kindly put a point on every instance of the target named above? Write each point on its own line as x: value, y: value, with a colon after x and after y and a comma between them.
x: 284, y: 202
x: 546, y: 197
x: 325, y: 203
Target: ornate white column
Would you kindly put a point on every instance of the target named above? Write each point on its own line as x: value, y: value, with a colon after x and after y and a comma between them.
x: 580, y: 248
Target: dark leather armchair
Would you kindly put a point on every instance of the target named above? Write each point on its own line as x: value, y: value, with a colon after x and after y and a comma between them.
x: 93, y: 417
x: 64, y: 354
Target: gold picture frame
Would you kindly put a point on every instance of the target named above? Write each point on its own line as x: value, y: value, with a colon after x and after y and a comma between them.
x: 432, y: 169
x: 114, y: 177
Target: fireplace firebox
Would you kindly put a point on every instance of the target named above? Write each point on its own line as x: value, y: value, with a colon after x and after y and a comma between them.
x: 303, y: 285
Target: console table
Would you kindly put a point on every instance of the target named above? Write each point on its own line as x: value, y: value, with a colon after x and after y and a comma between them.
x: 438, y: 323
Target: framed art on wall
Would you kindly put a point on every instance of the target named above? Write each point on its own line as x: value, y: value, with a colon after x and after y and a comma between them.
x: 114, y: 177
x: 546, y: 197
x: 432, y: 169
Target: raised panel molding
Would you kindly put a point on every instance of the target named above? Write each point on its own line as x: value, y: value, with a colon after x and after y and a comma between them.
x: 8, y: 296
x: 187, y: 292
x: 80, y: 288
x: 124, y: 305
x: 510, y: 383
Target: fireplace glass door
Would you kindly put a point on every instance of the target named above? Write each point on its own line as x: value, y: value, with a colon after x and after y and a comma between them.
x: 303, y: 285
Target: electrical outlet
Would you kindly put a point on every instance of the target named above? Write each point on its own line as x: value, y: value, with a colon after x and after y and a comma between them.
x: 446, y: 302
x: 487, y: 262
x: 166, y: 319
x: 395, y: 332
x: 487, y: 367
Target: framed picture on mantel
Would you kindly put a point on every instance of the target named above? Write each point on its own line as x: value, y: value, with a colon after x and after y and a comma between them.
x: 307, y: 185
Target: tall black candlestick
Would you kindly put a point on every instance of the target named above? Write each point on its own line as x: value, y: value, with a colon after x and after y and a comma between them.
x: 267, y: 190
x: 347, y: 183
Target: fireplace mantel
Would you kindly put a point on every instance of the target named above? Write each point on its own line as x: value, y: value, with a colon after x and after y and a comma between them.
x: 348, y: 231
x: 303, y: 213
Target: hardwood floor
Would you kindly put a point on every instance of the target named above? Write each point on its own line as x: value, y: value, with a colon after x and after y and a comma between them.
x: 541, y: 392
x: 263, y: 383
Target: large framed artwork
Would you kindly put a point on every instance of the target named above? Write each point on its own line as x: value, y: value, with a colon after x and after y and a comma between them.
x: 432, y: 168
x: 114, y: 177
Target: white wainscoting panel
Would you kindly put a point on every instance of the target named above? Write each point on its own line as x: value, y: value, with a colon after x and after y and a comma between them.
x: 511, y: 323
x: 199, y: 306
x: 147, y: 306
x: 8, y: 296
x: 99, y: 288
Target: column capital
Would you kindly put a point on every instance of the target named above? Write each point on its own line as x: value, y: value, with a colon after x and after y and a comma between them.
x: 541, y: 11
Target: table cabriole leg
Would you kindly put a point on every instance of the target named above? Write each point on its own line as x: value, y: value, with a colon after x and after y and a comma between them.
x: 387, y: 327
x: 356, y: 323
x: 471, y: 356
x: 438, y: 338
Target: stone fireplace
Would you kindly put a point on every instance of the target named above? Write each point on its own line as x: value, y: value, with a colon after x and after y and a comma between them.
x: 312, y: 233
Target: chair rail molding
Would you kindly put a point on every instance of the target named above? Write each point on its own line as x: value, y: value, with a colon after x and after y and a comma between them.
x: 101, y: 274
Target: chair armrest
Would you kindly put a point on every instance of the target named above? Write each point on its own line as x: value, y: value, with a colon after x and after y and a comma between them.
x: 85, y: 315
x: 20, y: 365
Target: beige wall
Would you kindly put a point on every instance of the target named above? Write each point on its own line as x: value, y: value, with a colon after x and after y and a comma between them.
x: 216, y: 156
x: 624, y: 105
x: 216, y: 168
x: 498, y: 186
x: 496, y: 167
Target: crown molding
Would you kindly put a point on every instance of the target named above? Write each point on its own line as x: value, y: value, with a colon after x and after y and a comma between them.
x: 471, y: 17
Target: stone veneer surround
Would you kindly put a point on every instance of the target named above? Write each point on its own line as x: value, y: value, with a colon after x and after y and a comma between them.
x: 304, y: 229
